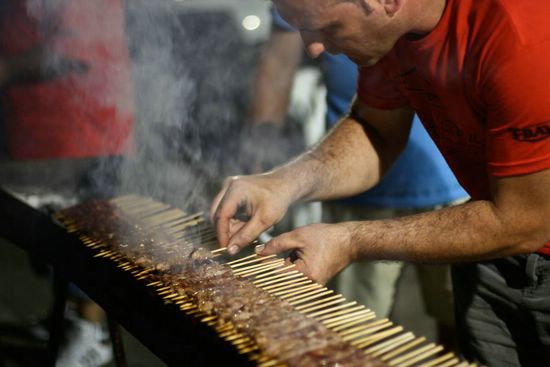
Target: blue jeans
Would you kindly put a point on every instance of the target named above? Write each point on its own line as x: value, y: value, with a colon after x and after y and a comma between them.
x: 503, y: 310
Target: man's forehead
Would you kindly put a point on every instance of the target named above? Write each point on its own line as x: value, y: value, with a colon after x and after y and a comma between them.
x: 302, y: 12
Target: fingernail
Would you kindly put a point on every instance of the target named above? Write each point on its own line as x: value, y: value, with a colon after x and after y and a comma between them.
x: 259, y: 248
x: 233, y: 250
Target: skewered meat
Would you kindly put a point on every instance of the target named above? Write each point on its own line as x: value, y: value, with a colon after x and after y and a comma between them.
x: 275, y: 326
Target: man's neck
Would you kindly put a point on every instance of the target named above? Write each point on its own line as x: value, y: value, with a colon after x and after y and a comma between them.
x: 424, y: 15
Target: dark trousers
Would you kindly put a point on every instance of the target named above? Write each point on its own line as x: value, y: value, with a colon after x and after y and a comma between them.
x: 502, y: 310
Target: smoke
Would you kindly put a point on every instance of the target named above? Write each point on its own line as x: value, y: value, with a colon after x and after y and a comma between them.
x: 190, y: 79
x: 191, y: 76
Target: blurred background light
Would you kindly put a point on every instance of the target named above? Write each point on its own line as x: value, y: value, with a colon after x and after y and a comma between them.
x: 251, y: 22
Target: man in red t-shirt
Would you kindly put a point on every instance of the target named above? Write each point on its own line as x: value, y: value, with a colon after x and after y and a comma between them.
x: 68, y: 110
x: 477, y: 73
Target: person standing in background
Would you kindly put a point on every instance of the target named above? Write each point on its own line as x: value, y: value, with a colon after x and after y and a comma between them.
x: 67, y: 99
x: 420, y: 179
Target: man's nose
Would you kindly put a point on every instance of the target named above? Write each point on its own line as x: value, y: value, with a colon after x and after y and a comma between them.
x: 314, y: 49
x: 313, y: 43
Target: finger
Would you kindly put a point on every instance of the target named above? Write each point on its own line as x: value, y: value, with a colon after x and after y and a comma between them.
x: 277, y: 245
x: 223, y: 219
x: 235, y: 226
x: 216, y: 202
x: 302, y: 267
x: 246, y: 235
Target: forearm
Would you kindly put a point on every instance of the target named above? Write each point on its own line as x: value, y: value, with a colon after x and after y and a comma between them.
x: 342, y: 164
x: 470, y: 232
x: 352, y: 157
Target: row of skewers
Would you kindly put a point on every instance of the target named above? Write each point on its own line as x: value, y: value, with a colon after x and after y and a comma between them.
x: 265, y: 308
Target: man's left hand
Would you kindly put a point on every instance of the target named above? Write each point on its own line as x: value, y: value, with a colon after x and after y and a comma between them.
x: 320, y: 250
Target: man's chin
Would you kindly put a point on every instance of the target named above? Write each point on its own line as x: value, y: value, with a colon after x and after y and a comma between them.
x: 364, y: 62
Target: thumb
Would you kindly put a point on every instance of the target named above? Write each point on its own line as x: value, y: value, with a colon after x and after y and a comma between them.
x: 277, y: 245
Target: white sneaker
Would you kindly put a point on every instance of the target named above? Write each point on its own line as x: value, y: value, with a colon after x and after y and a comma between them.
x: 87, y: 346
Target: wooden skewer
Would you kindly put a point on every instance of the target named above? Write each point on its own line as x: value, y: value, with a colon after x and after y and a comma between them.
x: 164, y: 217
x: 246, y: 345
x: 331, y: 310
x: 229, y: 333
x: 416, y: 356
x: 293, y: 283
x: 250, y: 349
x: 370, y: 340
x: 140, y: 211
x: 180, y: 230
x: 255, y: 267
x: 143, y: 272
x: 220, y: 250
x: 439, y: 360
x: 254, y: 260
x: 238, y: 260
x: 294, y: 301
x: 345, y: 317
x: 276, y: 264
x: 173, y: 296
x: 367, y: 328
x: 187, y: 306
x: 402, y: 349
x: 355, y: 321
x: 277, y: 278
x: 244, y: 342
x: 209, y: 318
x: 320, y: 303
x: 455, y: 363
x: 224, y: 327
x: 184, y: 219
x: 163, y: 292
x: 270, y: 363
x: 104, y: 253
x: 289, y: 293
x: 154, y: 284
x: 144, y: 205
x: 320, y: 306
x: 389, y: 345
x: 361, y: 331
x: 240, y: 340
x: 235, y: 336
x: 97, y: 245
x: 287, y: 269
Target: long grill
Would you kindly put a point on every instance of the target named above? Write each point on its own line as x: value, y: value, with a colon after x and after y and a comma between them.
x: 268, y: 311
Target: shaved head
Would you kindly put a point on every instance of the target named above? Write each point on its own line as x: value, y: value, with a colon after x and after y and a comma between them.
x: 364, y: 30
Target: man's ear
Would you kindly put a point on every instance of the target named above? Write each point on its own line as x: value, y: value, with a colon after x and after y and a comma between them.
x: 391, y: 6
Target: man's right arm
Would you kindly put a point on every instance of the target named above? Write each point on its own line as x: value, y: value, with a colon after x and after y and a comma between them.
x: 349, y: 160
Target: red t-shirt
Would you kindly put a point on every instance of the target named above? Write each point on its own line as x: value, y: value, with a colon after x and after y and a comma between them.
x: 76, y: 115
x: 480, y: 82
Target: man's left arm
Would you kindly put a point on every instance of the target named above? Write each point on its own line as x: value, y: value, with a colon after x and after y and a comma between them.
x: 515, y: 221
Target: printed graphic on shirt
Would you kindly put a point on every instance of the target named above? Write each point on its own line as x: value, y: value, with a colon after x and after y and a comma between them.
x: 531, y: 134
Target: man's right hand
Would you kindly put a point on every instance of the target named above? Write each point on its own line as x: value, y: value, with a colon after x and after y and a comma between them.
x: 246, y: 206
